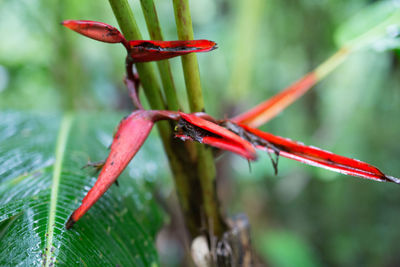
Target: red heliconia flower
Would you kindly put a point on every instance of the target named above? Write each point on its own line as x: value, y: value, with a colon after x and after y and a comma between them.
x: 133, y: 131
x: 236, y: 135
x: 130, y: 136
x: 139, y: 50
x: 237, y: 138
x: 245, y: 138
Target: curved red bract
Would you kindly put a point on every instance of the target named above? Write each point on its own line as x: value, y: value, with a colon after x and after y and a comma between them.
x: 130, y: 136
x: 139, y: 50
x: 96, y: 30
x: 321, y: 158
x: 223, y: 139
x: 144, y: 51
x: 268, y: 109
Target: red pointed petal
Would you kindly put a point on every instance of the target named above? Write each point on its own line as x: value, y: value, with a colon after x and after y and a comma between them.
x: 95, y: 30
x: 131, y: 134
x: 213, y: 128
x: 321, y: 158
x: 225, y: 136
x: 273, y: 106
x: 187, y: 45
x: 229, y: 146
x: 144, y: 51
x: 222, y: 144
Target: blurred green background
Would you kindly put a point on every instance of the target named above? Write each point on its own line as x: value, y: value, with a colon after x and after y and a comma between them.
x: 304, y: 216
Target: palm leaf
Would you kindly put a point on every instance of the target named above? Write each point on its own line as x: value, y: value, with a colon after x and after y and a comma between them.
x: 42, y: 182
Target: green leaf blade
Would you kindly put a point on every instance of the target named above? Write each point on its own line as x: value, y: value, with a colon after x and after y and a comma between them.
x: 119, y: 229
x: 376, y: 26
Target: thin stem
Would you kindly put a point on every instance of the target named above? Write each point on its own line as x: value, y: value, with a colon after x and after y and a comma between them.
x: 189, y: 62
x: 331, y: 63
x: 206, y: 167
x: 164, y: 68
x: 130, y: 30
x: 182, y: 157
x: 132, y: 82
x: 268, y: 109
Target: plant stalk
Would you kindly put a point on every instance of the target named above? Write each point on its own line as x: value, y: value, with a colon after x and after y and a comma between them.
x: 206, y: 168
x: 164, y: 68
x: 127, y: 23
x: 183, y: 158
x: 189, y: 62
x: 130, y: 30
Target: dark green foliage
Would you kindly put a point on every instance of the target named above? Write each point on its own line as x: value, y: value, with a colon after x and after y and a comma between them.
x: 120, y: 229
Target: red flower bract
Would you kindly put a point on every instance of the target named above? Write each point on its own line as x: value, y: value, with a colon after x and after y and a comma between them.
x: 238, y: 138
x: 131, y: 134
x: 321, y: 158
x: 268, y: 109
x: 96, y: 30
x: 144, y: 51
x: 217, y: 136
x: 139, y: 50
x: 243, y: 143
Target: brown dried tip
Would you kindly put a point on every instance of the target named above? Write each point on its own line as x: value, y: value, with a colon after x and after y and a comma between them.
x: 70, y: 222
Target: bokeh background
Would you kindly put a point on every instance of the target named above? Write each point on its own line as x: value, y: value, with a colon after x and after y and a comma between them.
x: 304, y: 216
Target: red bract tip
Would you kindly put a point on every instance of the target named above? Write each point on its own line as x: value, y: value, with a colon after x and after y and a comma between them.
x: 144, y: 51
x: 131, y: 134
x: 95, y: 30
x: 321, y: 158
x: 268, y: 109
x: 212, y: 134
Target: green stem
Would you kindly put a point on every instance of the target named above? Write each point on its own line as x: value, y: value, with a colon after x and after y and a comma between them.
x: 164, y: 68
x: 129, y: 28
x: 205, y: 162
x: 182, y: 157
x: 332, y: 63
x: 189, y: 62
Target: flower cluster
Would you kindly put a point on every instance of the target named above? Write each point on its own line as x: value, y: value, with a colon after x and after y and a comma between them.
x: 237, y: 135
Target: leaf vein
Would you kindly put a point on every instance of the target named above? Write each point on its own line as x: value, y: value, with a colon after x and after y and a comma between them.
x: 60, y: 151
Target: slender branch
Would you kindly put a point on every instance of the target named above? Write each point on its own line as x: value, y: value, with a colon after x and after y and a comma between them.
x: 129, y: 28
x: 164, y: 68
x: 189, y: 62
x: 206, y: 167
x: 182, y: 157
